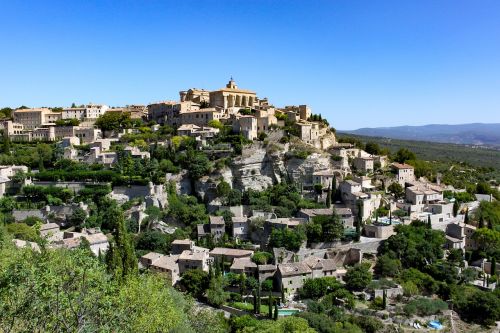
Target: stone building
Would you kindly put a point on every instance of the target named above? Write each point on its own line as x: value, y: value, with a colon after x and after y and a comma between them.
x: 195, y: 95
x: 247, y: 126
x: 363, y: 164
x: 168, y: 112
x: 302, y: 111
x: 200, y: 117
x: 404, y: 173
x: 89, y: 111
x: 231, y: 96
x: 216, y: 228
x: 33, y: 118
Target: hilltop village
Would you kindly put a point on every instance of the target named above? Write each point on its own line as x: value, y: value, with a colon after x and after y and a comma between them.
x: 255, y: 209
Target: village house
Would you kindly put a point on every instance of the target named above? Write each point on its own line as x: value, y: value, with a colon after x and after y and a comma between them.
x: 228, y: 255
x: 135, y: 152
x: 363, y: 164
x: 302, y: 111
x: 135, y: 111
x: 98, y: 241
x: 216, y: 228
x: 200, y: 117
x: 459, y: 236
x: 291, y: 276
x: 246, y: 126
x: 197, y: 258
x: 240, y: 227
x: 33, y: 118
x: 345, y: 214
x: 423, y: 194
x: 376, y: 230
x: 195, y: 95
x: 6, y: 173
x: 404, y: 173
x: 194, y: 131
x: 167, y: 112
x: 165, y: 264
x: 323, y: 177
x: 244, y: 265
x: 181, y: 245
x: 86, y: 112
x: 266, y: 272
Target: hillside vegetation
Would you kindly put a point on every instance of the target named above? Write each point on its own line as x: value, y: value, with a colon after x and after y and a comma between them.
x: 486, y: 161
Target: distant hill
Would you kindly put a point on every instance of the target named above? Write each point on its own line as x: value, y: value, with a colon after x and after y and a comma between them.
x: 470, y: 134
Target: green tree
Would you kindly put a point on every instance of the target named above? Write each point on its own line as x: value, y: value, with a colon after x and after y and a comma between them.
x: 403, y: 155
x: 195, y: 282
x: 287, y: 238
x: 397, y: 190
x: 23, y: 231
x: 387, y: 266
x: 358, y: 277
x: 112, y: 121
x: 77, y: 219
x: 120, y: 257
x: 262, y: 257
x: 372, y: 148
x: 215, y: 293
x: 319, y: 287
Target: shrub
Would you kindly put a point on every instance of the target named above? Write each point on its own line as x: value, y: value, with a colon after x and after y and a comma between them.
x: 425, y: 306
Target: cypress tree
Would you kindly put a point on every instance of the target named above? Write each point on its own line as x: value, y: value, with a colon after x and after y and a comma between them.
x: 493, y: 266
x: 120, y: 258
x: 6, y: 145
x: 276, y: 311
x: 334, y: 189
x: 390, y: 216
x: 456, y: 206
x: 258, y: 300
x: 481, y: 222
x: 270, y: 306
x: 329, y: 197
x: 254, y: 293
x: 429, y: 224
x: 466, y: 217
x: 384, y: 299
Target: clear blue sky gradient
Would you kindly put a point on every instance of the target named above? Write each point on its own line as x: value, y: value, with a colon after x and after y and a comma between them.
x: 360, y: 63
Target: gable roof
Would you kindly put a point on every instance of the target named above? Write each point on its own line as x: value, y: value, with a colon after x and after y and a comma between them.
x: 292, y: 269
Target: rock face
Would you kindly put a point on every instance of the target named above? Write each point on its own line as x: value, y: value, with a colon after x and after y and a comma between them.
x: 181, y: 180
x: 260, y: 166
x: 255, y: 168
x: 301, y: 170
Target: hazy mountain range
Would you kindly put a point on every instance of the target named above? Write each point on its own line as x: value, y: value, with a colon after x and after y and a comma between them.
x: 470, y: 134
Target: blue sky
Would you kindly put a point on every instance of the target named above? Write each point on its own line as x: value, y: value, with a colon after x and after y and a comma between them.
x: 360, y: 63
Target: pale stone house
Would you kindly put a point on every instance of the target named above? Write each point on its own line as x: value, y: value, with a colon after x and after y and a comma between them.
x: 459, y: 235
x: 228, y: 255
x: 216, y: 227
x: 166, y: 264
x: 363, y: 164
x: 89, y: 111
x: 240, y: 227
x: 404, y: 173
x: 33, y: 118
